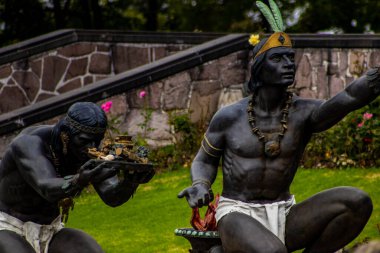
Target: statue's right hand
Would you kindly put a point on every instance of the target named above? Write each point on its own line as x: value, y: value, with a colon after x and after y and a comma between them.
x: 92, y: 171
x: 197, y: 195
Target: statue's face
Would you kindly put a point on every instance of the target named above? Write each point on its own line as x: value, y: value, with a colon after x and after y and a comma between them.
x: 278, y: 67
x: 81, y: 142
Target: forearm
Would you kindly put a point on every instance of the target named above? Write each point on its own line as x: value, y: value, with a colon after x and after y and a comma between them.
x: 55, y: 189
x: 204, y: 171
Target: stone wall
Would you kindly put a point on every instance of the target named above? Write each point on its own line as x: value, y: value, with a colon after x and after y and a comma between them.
x: 200, y: 91
x: 33, y: 79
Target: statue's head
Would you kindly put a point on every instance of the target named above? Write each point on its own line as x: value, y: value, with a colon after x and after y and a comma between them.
x: 82, y: 128
x: 273, y: 62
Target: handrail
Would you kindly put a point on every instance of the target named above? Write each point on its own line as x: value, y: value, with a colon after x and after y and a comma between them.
x: 132, y: 79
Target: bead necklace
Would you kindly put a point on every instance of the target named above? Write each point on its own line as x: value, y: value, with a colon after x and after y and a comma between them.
x: 272, y: 148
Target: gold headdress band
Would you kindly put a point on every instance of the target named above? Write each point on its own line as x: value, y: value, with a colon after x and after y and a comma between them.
x: 277, y: 39
x: 83, y: 128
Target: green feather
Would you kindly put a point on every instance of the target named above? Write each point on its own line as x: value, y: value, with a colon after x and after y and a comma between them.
x: 277, y: 15
x: 268, y: 15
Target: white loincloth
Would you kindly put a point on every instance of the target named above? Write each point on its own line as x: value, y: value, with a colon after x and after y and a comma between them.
x: 37, y: 235
x: 272, y: 215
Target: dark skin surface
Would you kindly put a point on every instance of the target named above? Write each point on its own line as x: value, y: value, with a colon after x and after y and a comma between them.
x: 30, y: 187
x: 323, y: 223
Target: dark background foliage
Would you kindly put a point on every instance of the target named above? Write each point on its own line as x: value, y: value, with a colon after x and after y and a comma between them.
x: 23, y: 19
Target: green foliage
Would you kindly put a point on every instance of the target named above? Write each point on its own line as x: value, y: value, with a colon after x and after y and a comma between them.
x: 146, y: 223
x: 269, y: 16
x: 187, y: 137
x: 354, y: 142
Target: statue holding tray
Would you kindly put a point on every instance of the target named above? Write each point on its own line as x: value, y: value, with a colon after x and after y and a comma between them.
x: 46, y: 166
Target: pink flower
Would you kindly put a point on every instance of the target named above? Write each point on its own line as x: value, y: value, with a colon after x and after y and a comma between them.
x: 142, y: 94
x: 367, y: 115
x: 361, y: 124
x: 106, y: 106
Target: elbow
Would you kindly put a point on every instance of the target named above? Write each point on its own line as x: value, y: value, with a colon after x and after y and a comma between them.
x: 114, y: 202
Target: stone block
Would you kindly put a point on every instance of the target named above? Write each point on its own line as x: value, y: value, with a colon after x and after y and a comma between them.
x: 159, y: 125
x: 202, y: 108
x: 343, y: 62
x: 100, y: 64
x: 77, y: 67
x: 159, y: 53
x: 299, y: 54
x: 36, y: 67
x: 5, y: 71
x: 88, y: 80
x: 318, y: 56
x: 22, y: 64
x: 229, y: 96
x: 374, y: 58
x: 303, y: 76
x: 232, y: 76
x: 205, y: 88
x: 208, y: 71
x: 357, y: 62
x: 322, y: 82
x: 336, y: 85
x: 126, y: 58
x: 227, y: 60
x: 151, y: 100
x: 29, y: 82
x: 53, y: 70
x: 332, y: 69
x: 176, y: 91
x: 77, y: 49
x: 71, y: 85
x: 102, y: 48
x: 43, y: 96
x: 12, y: 97
x: 119, y: 105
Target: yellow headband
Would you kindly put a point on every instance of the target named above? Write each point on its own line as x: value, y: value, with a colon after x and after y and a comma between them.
x: 277, y: 39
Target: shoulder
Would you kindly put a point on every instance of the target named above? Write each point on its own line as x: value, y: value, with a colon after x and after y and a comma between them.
x: 305, y: 105
x: 35, y: 137
x: 229, y: 114
x: 232, y: 111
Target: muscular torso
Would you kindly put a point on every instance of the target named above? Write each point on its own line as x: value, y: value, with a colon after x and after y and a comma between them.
x: 17, y: 196
x: 250, y: 176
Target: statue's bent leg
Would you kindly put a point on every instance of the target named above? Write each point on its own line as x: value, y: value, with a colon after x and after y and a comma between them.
x: 11, y: 242
x: 73, y: 241
x: 241, y: 233
x: 327, y: 221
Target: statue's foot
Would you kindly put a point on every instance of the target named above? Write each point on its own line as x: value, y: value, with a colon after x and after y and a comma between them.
x: 216, y: 249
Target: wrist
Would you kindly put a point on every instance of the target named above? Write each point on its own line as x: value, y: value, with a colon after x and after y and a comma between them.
x: 71, y: 184
x: 204, y: 182
x: 373, y: 79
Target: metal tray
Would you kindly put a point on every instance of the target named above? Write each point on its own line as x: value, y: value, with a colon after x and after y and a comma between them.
x: 136, y: 172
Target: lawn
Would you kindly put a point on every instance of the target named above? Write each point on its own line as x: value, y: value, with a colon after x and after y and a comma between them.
x: 147, y: 222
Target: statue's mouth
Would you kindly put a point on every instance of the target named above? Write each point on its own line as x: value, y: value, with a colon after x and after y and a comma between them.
x: 289, y: 74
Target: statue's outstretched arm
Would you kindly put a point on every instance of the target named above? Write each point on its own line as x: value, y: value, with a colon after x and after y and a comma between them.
x: 359, y: 93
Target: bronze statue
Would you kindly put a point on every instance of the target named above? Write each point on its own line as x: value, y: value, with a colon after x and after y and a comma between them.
x: 260, y: 140
x: 43, y: 168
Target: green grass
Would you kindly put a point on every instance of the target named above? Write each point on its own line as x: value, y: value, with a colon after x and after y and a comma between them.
x: 146, y: 223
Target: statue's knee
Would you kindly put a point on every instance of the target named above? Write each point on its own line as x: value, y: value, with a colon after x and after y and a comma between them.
x: 359, y: 202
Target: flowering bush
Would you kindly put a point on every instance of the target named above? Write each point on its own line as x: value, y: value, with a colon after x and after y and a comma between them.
x: 354, y: 142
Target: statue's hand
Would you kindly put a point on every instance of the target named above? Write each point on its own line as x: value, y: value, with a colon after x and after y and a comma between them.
x: 94, y: 173
x: 197, y: 195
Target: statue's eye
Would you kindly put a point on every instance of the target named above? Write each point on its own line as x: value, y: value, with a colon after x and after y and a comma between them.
x: 276, y: 58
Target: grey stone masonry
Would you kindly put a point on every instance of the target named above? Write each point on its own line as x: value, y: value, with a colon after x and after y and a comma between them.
x: 199, y: 91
